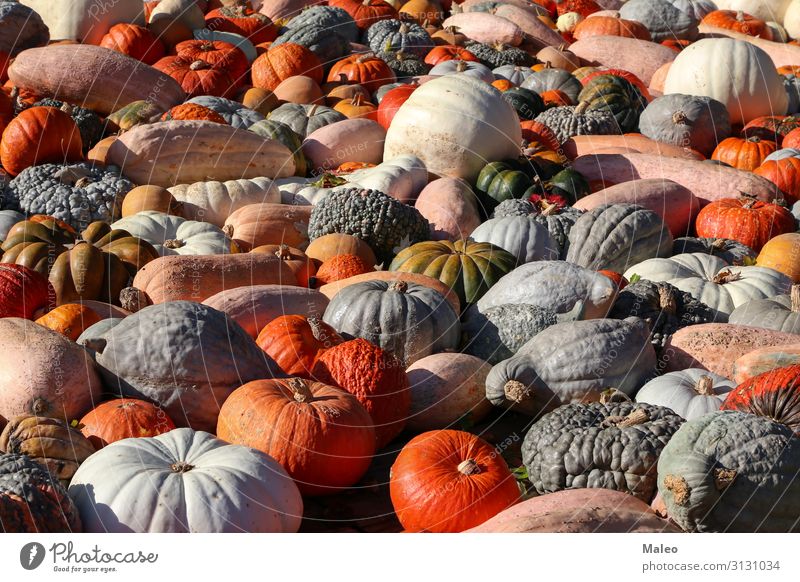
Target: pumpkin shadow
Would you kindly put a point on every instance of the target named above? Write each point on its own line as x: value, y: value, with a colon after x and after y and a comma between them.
x: 102, y: 512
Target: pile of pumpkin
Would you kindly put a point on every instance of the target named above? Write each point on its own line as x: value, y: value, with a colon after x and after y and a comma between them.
x: 253, y: 249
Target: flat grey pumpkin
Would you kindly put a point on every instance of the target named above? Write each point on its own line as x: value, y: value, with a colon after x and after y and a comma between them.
x: 662, y: 19
x: 233, y: 112
x: 730, y: 471
x: 334, y: 19
x: 574, y: 362
x: 692, y: 121
x: 554, y: 80
x: 185, y: 356
x: 558, y: 221
x: 525, y: 238
x: 616, y: 236
x: 779, y: 313
x: 599, y: 446
x: 409, y: 320
x: 691, y: 393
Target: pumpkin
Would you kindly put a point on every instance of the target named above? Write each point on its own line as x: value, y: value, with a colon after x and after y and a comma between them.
x: 763, y: 360
x: 778, y: 313
x: 366, y: 12
x: 742, y: 77
x: 785, y: 174
x: 609, y: 26
x: 66, y: 384
x: 213, y: 202
x: 375, y: 377
x: 744, y: 154
x: 254, y: 225
x: 242, y: 20
x: 470, y: 69
x: 23, y: 28
x: 710, y: 481
x: 135, y: 41
x: 192, y: 111
x: 449, y: 481
x: 357, y: 107
x: 686, y: 120
x: 773, y: 394
x: 661, y: 18
x: 8, y: 218
x: 526, y: 239
x: 730, y: 251
x: 326, y: 443
x: 259, y: 100
x: 283, y: 61
x: 24, y: 292
x: 618, y: 437
x: 391, y: 103
x: 350, y: 140
x: 299, y: 263
x: 450, y: 207
x: 196, y: 470
x: 739, y: 22
x: 568, y: 121
x: 771, y: 127
x: 169, y: 153
x: 747, y: 220
x: 69, y: 319
x: 394, y: 35
x: 691, y: 393
x: 233, y: 112
x: 305, y: 119
x: 448, y: 52
x: 174, y: 235
x: 48, y: 441
x: 330, y: 245
x: 131, y: 115
x: 295, y: 342
x: 43, y: 71
x: 39, y: 135
x: 219, y: 54
x: 123, y: 418
x: 197, y: 77
x: 779, y: 253
x: 569, y: 362
x: 338, y: 268
x: 153, y: 198
x: 616, y: 94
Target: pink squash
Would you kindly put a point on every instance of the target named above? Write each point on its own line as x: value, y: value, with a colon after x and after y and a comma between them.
x: 765, y: 359
x: 487, y: 28
x: 584, y: 145
x: 351, y: 140
x: 450, y: 207
x: 658, y: 79
x: 641, y: 57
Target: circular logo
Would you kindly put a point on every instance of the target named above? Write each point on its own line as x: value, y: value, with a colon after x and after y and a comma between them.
x: 31, y: 555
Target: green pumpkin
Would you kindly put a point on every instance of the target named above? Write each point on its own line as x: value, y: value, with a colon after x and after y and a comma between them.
x: 499, y: 181
x: 468, y: 268
x: 277, y: 130
x: 616, y: 95
x: 569, y: 184
x: 525, y: 102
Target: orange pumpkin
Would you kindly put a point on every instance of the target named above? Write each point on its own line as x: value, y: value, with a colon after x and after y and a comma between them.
x: 771, y: 127
x: 423, y: 11
x: 781, y: 253
x: 738, y: 21
x: 449, y: 481
x: 747, y: 220
x: 197, y: 77
x: 295, y: 342
x: 341, y: 92
x: 357, y: 106
x: 69, y: 319
x: 789, y: 70
x: 135, y: 41
x: 124, y: 418
x: 534, y: 131
x: 448, y: 52
x: 502, y: 85
x: 302, y: 267
x: 556, y: 98
x: 366, y: 12
x: 284, y: 61
x: 582, y: 7
x: 39, y: 135
x: 365, y: 69
x: 192, y: 111
x: 242, y: 20
x: 321, y: 435
x: 743, y: 153
x: 218, y: 54
x: 676, y: 44
x: 610, y: 26
x: 785, y: 174
x: 340, y: 267
x: 792, y: 139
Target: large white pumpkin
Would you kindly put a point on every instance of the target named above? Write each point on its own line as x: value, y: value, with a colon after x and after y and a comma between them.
x: 184, y: 481
x: 763, y: 9
x: 734, y: 72
x: 456, y: 125
x: 791, y: 19
x: 85, y: 20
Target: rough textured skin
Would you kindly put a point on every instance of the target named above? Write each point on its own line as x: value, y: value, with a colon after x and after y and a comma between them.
x: 523, y: 237
x: 774, y: 313
x: 131, y: 486
x: 184, y: 356
x: 332, y: 18
x: 32, y: 500
x: 393, y: 36
x: 329, y: 44
x: 384, y: 223
x: 499, y: 332
x: 305, y: 119
x: 555, y: 285
x: 578, y: 511
x: 39, y: 190
x: 765, y: 359
x: 490, y: 56
x: 583, y: 446
x: 573, y: 362
x: 616, y: 236
x: 69, y: 72
x: 254, y: 306
x: 761, y: 457
x: 566, y: 123
x: 42, y: 372
x: 730, y: 251
x: 716, y: 346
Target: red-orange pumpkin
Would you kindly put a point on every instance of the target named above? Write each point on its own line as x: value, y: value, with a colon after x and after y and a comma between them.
x: 69, y: 319
x: 366, y: 12
x: 365, y: 69
x: 197, y: 77
x: 792, y: 139
x: 340, y: 267
x: 449, y: 481
x: 357, y: 106
x: 556, y: 98
x: 192, y: 111
x: 534, y: 131
x: 23, y: 292
x: 392, y: 101
x: 774, y: 394
x: 785, y: 174
x: 738, y: 21
x: 284, y: 61
x: 771, y: 127
x: 39, y: 135
x: 582, y: 7
x: 321, y: 435
x: 743, y: 153
x: 747, y: 220
x: 448, y: 52
x: 242, y: 20
x: 295, y: 342
x: 375, y: 377
x: 124, y: 418
x: 135, y: 41
x: 218, y: 54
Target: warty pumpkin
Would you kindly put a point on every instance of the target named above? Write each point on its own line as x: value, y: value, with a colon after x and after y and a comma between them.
x: 296, y: 341
x: 242, y: 20
x: 123, y: 418
x: 338, y: 268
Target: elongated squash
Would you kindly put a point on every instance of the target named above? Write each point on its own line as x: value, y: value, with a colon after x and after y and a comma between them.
x: 584, y: 145
x: 641, y: 57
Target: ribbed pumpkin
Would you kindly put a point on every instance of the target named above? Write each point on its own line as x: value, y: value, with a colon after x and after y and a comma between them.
x: 39, y: 135
x: 283, y: 61
x: 295, y: 342
x: 743, y: 153
x: 771, y: 127
x: 448, y: 52
x: 468, y: 268
x: 746, y: 220
x: 449, y: 481
x: 219, y: 54
x: 615, y: 94
x: 610, y: 26
x: 87, y: 272
x: 792, y: 139
x: 582, y: 7
x: 135, y: 41
x: 242, y: 20
x: 373, y: 376
x: 321, y: 435
x: 366, y: 12
x: 356, y: 107
x: 197, y: 77
x: 303, y: 267
x: 738, y: 21
x: 123, y: 418
x: 365, y: 69
x: 340, y: 267
x: 70, y: 319
x: 192, y: 112
x: 774, y: 394
x: 23, y: 292
x: 785, y: 174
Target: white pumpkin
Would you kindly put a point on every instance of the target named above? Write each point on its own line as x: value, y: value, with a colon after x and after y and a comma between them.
x: 734, y: 72
x: 174, y: 235
x: 761, y: 9
x: 711, y: 280
x: 187, y: 12
x: 214, y: 201
x: 521, y: 236
x: 691, y: 393
x: 184, y: 481
x: 568, y: 21
x: 85, y: 20
x: 471, y: 69
x: 455, y: 125
x: 697, y: 9
x: 791, y: 19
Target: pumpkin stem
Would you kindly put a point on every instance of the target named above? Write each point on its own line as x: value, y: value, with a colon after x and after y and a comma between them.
x: 181, y: 467
x: 666, y: 300
x: 723, y: 478
x: 71, y: 175
x: 635, y: 417
x: 679, y: 488
x: 739, y: 16
x: 313, y: 109
x: 228, y: 230
x: 726, y: 276
x: 199, y: 65
x: 398, y: 286
x: 403, y: 28
x: 174, y: 243
x: 358, y: 100
x: 133, y: 299
x: 461, y: 66
x: 719, y: 244
x: 40, y: 406
x: 679, y: 118
x: 610, y: 395
x: 315, y: 323
x: 283, y: 252
x: 548, y: 208
x: 704, y: 386
x: 795, y: 297
x: 581, y: 107
x: 300, y: 390
x: 517, y: 392
x: 469, y: 467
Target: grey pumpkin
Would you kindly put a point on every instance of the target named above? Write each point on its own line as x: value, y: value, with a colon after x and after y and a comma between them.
x: 599, y: 446
x: 688, y: 121
x: 21, y: 28
x: 730, y: 471
x: 335, y: 20
x: 393, y: 35
x: 409, y: 320
x: 569, y: 121
x: 618, y: 236
x: 573, y: 362
x: 554, y: 80
x: 233, y: 112
x: 522, y: 236
x: 662, y: 19
x: 497, y: 55
x: 327, y: 31
x: 405, y: 64
x: 731, y: 251
x: 184, y: 355
x: 779, y: 313
x: 558, y: 220
x: 305, y: 119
